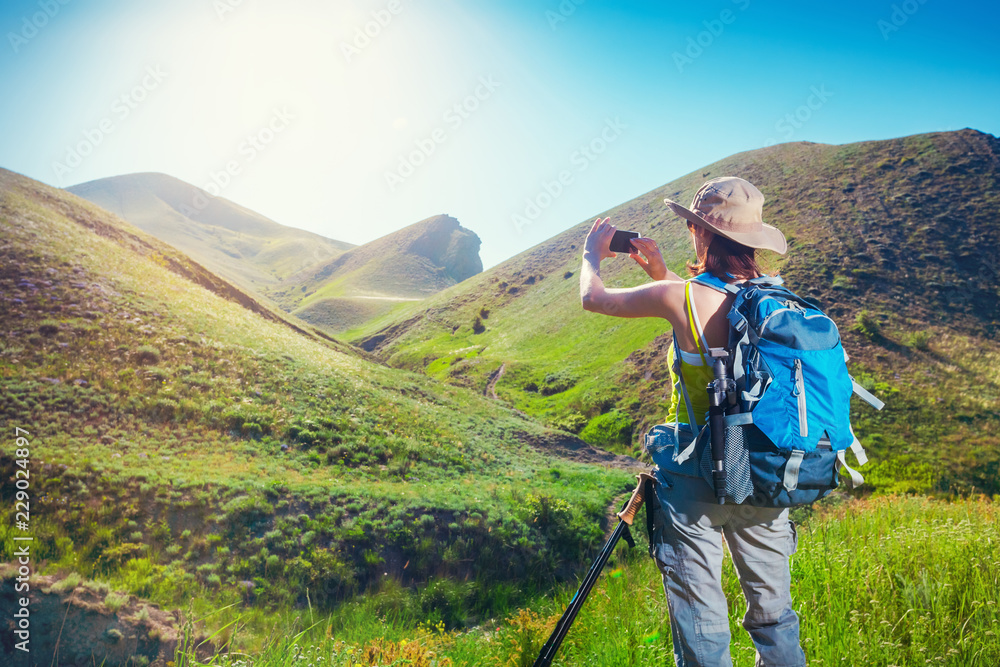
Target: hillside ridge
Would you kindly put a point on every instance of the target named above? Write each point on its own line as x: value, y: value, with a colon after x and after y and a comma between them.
x: 373, y: 279
x: 239, y: 244
x: 95, y: 219
x: 440, y: 239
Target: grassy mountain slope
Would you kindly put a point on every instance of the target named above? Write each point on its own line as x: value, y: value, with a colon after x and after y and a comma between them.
x: 372, y: 280
x: 896, y: 239
x: 182, y: 445
x: 234, y: 242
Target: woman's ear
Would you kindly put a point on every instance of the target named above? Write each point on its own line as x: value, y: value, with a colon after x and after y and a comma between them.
x: 702, y: 239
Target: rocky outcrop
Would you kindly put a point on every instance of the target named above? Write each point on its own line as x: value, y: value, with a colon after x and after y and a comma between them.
x: 449, y: 245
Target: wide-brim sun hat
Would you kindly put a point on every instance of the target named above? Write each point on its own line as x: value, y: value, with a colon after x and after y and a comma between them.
x: 733, y: 208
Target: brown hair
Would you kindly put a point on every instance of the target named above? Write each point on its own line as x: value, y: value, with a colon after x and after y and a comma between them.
x: 727, y: 256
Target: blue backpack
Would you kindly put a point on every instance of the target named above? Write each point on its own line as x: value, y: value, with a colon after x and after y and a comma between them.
x: 786, y: 445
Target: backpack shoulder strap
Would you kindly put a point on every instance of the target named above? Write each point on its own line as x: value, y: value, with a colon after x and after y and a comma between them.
x: 709, y: 280
x: 767, y: 280
x: 695, y: 324
x: 866, y: 395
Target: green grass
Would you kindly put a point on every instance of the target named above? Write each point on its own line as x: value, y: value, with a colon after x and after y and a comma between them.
x: 335, y: 314
x: 887, y: 581
x: 534, y: 343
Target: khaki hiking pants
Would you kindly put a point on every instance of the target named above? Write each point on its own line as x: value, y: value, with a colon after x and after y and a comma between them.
x: 688, y: 526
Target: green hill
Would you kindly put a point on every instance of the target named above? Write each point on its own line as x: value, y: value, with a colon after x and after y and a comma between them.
x: 373, y: 279
x: 896, y: 239
x: 331, y: 284
x: 183, y: 441
x: 236, y: 243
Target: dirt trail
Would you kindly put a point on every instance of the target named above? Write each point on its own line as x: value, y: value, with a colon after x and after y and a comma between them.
x: 491, y: 384
x: 565, y: 445
x: 568, y: 446
x: 385, y: 298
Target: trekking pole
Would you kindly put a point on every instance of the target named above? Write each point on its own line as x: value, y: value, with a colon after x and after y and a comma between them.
x: 718, y: 399
x: 626, y: 516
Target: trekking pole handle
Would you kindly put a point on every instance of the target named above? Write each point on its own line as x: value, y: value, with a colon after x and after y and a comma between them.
x: 635, y: 502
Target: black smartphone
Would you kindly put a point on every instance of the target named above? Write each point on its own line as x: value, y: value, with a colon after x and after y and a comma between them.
x: 622, y: 241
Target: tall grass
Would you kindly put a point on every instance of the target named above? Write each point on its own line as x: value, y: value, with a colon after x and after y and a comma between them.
x: 885, y: 581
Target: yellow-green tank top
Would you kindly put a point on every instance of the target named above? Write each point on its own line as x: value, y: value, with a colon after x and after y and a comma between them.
x: 696, y: 376
x: 696, y: 379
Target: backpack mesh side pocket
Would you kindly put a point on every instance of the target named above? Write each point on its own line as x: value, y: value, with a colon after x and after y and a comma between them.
x: 739, y: 483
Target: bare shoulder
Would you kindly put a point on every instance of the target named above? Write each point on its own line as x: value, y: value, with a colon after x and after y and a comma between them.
x: 709, y: 297
x: 673, y: 292
x: 712, y: 306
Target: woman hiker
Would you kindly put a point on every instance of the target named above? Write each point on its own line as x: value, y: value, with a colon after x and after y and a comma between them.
x: 726, y: 226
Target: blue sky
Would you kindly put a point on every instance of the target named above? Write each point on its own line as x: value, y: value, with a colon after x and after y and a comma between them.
x: 520, y: 118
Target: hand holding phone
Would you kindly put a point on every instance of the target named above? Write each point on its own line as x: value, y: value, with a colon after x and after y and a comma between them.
x: 648, y: 257
x: 622, y: 242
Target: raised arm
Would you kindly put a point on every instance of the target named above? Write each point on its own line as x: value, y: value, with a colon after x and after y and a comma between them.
x: 663, y: 298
